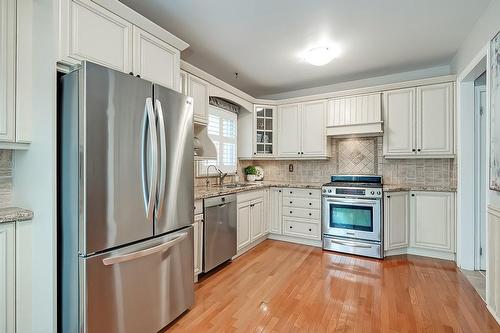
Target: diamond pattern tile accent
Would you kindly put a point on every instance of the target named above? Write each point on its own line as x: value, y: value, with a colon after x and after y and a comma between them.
x: 356, y: 156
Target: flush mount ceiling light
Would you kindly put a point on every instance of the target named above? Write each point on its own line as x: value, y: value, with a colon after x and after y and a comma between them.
x: 320, y: 56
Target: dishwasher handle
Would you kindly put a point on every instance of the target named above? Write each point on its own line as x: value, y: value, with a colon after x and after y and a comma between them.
x: 219, y: 201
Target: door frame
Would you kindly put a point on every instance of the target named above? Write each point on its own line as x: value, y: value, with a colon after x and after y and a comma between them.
x: 480, y: 205
x: 465, y: 157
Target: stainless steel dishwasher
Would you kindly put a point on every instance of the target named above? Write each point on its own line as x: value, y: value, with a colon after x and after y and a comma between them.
x: 219, y: 230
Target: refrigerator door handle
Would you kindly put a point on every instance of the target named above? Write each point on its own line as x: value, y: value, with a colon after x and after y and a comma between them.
x: 163, y: 159
x: 143, y: 253
x: 149, y: 190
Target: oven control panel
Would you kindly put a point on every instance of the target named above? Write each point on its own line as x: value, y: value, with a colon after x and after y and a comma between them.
x: 352, y: 192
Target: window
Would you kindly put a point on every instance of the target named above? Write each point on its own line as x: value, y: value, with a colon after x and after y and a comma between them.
x: 222, y: 129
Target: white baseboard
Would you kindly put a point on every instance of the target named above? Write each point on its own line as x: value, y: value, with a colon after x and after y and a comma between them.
x: 493, y: 313
x: 421, y: 252
x: 297, y: 240
x: 250, y: 246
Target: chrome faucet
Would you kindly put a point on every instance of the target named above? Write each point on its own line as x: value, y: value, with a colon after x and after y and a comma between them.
x: 222, y: 175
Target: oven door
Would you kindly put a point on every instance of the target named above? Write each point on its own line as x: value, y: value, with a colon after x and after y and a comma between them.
x: 352, y: 218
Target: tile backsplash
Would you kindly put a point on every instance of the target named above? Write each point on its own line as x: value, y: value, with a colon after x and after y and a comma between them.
x: 5, y: 178
x: 361, y: 156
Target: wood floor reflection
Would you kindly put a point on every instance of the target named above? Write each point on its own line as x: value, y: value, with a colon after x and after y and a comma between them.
x: 284, y: 287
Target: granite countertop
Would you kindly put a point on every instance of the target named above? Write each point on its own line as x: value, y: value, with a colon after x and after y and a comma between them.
x: 401, y: 188
x: 202, y: 192
x: 14, y: 214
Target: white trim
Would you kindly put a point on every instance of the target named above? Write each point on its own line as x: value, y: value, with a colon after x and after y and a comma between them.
x: 465, y: 183
x: 140, y: 21
x: 296, y: 240
x: 492, y: 312
x: 187, y: 67
x: 422, y: 253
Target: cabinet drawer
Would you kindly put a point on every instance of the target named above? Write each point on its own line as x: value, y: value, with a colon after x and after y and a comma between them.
x: 249, y: 196
x: 302, y: 203
x: 298, y: 228
x: 302, y: 192
x: 312, y: 214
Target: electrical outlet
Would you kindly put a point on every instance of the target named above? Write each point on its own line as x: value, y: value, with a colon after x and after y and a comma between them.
x: 290, y: 167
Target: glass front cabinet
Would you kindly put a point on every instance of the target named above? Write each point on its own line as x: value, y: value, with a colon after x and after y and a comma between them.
x: 265, y: 130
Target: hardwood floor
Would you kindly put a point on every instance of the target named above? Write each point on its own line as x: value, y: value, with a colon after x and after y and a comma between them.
x: 284, y: 287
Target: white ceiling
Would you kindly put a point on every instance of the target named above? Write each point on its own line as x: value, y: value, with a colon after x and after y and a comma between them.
x: 262, y: 39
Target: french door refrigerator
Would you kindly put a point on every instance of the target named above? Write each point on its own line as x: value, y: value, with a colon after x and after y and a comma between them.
x: 125, y: 202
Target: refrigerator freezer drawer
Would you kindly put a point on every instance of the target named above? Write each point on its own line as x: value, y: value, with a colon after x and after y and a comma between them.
x: 140, y: 288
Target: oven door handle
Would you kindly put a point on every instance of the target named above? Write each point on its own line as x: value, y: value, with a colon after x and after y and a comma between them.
x: 352, y: 244
x: 359, y: 202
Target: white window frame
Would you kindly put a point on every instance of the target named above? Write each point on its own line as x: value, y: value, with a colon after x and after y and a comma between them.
x: 219, y: 141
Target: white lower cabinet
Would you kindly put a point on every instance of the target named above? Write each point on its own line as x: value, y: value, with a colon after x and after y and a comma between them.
x: 198, y: 243
x: 397, y: 220
x: 250, y: 220
x: 7, y: 278
x: 421, y: 223
x: 433, y: 221
x: 275, y: 210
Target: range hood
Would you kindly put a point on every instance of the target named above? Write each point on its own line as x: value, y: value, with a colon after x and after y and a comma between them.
x: 204, y: 148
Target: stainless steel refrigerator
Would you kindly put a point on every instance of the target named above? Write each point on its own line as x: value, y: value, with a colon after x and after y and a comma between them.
x: 125, y: 180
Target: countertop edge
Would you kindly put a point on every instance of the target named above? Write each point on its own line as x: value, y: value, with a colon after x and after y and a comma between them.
x: 15, y: 214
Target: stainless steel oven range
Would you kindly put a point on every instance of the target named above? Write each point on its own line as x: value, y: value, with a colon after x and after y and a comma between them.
x: 352, y: 215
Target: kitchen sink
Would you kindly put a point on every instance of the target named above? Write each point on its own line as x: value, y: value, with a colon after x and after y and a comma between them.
x: 236, y: 185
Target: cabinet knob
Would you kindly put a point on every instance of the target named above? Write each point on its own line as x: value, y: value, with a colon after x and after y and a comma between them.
x: 290, y: 202
x: 298, y: 152
x: 301, y: 153
x: 138, y: 76
x: 131, y: 73
x: 310, y: 229
x: 388, y: 197
x: 290, y: 212
x: 290, y: 227
x: 310, y: 193
x: 255, y: 153
x: 413, y: 194
x: 279, y: 191
x: 419, y: 149
x: 310, y: 214
x: 310, y: 204
x: 413, y: 150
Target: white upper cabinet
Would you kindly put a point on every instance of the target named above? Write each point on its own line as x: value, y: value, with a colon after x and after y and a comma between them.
x: 399, y: 118
x: 419, y: 122
x: 313, y: 129
x: 356, y: 115
x: 198, y: 89
x: 289, y: 131
x: 265, y: 130
x: 90, y: 32
x: 7, y: 69
x: 435, y: 121
x: 301, y: 130
x: 111, y: 34
x: 155, y: 60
